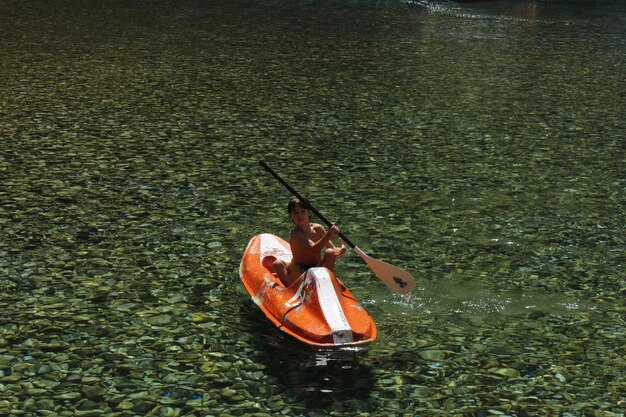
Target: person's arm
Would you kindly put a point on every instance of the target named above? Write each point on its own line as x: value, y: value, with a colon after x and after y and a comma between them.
x: 321, y: 243
x: 339, y: 250
x: 326, y: 240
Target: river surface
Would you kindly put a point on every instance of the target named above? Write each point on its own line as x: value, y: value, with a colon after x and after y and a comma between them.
x: 479, y: 145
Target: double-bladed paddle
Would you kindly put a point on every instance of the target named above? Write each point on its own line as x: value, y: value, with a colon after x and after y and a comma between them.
x: 397, y: 279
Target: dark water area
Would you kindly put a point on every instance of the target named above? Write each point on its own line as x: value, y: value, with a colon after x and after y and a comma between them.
x: 479, y: 145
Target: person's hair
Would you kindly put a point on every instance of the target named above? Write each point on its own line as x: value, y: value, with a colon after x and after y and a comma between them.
x: 295, y: 201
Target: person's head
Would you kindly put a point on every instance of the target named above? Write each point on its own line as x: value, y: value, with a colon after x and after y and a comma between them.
x: 296, y: 205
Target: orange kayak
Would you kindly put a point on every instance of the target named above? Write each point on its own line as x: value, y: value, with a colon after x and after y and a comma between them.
x: 317, y: 309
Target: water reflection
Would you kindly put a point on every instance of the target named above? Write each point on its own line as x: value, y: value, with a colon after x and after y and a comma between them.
x: 477, y: 302
x: 528, y: 11
x: 300, y: 370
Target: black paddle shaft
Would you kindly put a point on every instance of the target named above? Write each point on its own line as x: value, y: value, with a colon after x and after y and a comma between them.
x: 305, y: 201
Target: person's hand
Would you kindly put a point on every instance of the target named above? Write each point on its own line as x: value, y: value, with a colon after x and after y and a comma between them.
x: 333, y: 231
x: 340, y: 251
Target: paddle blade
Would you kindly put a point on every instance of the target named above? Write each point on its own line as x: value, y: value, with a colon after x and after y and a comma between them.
x: 396, y: 279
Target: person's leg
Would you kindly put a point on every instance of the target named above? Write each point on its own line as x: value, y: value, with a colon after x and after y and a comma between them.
x: 329, y: 259
x: 280, y: 267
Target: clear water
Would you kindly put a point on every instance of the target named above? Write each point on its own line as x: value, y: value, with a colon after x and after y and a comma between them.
x: 479, y: 145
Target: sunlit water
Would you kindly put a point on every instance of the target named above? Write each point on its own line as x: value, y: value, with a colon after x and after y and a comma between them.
x: 479, y: 145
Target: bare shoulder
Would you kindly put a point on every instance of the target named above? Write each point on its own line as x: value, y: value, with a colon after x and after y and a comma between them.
x: 298, y: 234
x: 318, y: 229
x: 295, y: 232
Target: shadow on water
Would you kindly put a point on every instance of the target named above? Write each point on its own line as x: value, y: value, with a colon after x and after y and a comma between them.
x: 316, y: 376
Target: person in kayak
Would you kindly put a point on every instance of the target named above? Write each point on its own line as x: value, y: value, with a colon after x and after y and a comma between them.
x: 307, y: 240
